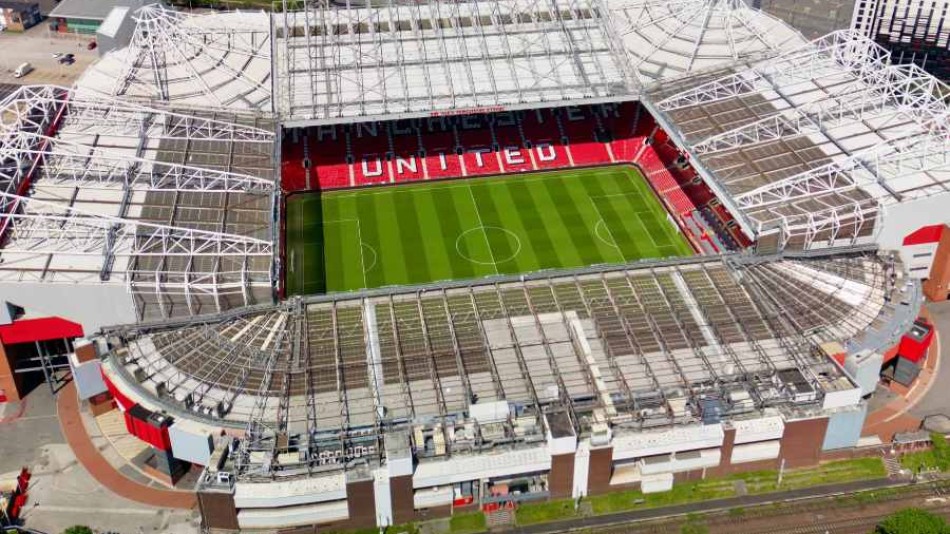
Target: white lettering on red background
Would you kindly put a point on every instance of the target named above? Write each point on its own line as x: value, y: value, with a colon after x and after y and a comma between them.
x: 513, y: 156
x: 378, y: 171
x: 374, y: 167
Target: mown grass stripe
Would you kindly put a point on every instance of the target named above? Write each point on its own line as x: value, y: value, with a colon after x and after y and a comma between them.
x: 415, y: 254
x: 450, y: 226
x: 595, y: 229
x: 512, y: 216
x: 439, y: 231
x: 544, y: 230
x: 562, y: 203
x: 503, y: 248
x: 377, y: 211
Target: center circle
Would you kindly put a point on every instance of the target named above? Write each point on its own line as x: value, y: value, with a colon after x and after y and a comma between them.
x: 488, y: 233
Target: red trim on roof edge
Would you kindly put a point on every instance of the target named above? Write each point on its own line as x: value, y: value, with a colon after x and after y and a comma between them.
x: 44, y: 329
x: 926, y: 234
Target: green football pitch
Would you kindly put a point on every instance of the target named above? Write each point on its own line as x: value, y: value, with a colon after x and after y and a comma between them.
x: 462, y: 229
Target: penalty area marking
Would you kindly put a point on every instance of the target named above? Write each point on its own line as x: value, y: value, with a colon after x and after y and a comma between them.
x: 375, y: 255
x: 610, y: 234
x: 484, y: 229
x: 608, y: 240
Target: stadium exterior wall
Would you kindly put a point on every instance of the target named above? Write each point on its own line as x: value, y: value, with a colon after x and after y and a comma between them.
x: 844, y: 428
x: 906, y: 217
x: 800, y: 445
x: 92, y: 306
x: 903, y: 218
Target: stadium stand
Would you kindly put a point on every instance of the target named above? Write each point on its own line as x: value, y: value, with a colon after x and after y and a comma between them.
x: 373, y: 153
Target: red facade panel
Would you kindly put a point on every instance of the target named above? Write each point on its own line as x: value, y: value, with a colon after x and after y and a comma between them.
x: 148, y: 426
x: 44, y: 329
x: 926, y: 234
x: 121, y: 399
x: 914, y: 344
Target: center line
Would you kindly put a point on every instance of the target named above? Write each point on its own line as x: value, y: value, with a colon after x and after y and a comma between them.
x: 482, y: 226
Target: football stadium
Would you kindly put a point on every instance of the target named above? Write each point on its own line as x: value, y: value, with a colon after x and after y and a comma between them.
x: 359, y: 264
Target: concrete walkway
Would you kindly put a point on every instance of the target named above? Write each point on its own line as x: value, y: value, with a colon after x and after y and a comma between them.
x: 903, y: 413
x: 936, y: 400
x: 70, y: 420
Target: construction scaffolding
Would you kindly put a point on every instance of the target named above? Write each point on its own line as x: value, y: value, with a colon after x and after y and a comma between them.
x: 359, y: 62
x: 810, y: 145
x: 636, y: 348
x: 175, y: 206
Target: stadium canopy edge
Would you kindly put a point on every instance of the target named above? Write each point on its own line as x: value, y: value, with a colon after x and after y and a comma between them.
x: 289, y: 122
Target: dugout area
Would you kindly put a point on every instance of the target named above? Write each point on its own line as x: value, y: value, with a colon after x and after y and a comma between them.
x: 467, y: 229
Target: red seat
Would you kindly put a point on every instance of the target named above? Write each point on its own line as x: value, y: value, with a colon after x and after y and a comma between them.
x: 328, y: 154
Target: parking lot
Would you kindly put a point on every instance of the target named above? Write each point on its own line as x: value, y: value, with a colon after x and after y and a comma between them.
x: 37, y: 46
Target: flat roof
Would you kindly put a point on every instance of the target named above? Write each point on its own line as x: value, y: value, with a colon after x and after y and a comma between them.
x: 92, y: 9
x: 113, y: 21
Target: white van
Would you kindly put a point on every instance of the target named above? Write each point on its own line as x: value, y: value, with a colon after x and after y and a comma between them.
x: 22, y: 70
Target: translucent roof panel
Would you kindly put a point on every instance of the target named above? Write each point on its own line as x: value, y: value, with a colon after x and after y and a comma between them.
x: 353, y: 63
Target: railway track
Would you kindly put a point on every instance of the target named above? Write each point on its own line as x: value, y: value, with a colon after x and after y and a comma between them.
x: 819, y: 525
x: 825, y: 515
x: 819, y: 517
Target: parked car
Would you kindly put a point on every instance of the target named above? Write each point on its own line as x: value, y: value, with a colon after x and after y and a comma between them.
x: 67, y: 60
x: 91, y: 45
x: 22, y: 70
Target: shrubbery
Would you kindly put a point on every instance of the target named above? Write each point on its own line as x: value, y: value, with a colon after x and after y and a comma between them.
x: 913, y: 521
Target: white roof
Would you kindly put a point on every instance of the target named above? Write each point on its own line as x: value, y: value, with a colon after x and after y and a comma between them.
x: 212, y: 61
x: 113, y: 21
x: 670, y: 38
x: 393, y: 60
x: 99, y: 210
x: 354, y: 63
x: 815, y: 141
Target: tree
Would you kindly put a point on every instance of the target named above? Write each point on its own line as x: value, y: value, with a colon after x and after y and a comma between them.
x: 912, y: 521
x: 78, y: 529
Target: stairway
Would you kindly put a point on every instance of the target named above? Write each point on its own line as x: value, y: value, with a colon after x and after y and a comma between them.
x: 892, y: 465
